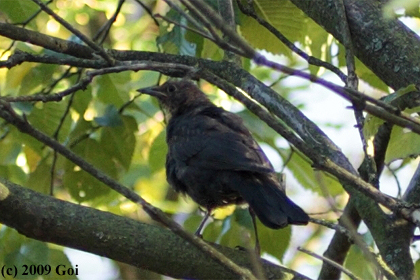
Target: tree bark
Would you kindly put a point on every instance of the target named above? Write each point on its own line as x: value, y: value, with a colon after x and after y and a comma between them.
x: 142, y: 245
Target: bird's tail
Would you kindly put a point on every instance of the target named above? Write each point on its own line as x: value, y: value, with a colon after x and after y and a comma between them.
x: 269, y: 202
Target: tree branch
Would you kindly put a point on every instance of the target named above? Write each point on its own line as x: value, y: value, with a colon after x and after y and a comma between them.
x: 384, y: 45
x: 76, y: 32
x: 142, y: 245
x: 49, y: 42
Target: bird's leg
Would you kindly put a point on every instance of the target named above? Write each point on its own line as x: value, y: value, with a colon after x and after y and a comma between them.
x: 254, y: 222
x: 199, y: 230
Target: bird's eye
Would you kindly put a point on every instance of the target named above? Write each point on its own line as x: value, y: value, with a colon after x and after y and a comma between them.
x: 171, y: 89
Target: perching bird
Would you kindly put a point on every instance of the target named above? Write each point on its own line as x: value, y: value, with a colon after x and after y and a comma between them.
x: 214, y: 159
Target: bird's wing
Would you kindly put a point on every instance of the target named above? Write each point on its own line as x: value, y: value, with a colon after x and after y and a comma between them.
x: 210, y: 143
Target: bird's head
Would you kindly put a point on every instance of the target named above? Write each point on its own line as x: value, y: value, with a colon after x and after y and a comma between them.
x: 176, y: 97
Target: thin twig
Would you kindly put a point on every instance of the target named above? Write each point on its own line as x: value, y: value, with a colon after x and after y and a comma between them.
x: 352, y: 82
x: 199, y: 32
x: 85, y: 81
x: 104, y: 30
x: 397, y: 181
x: 23, y: 24
x: 250, y: 11
x: 323, y: 212
x: 227, y: 12
x: 377, y: 108
x: 331, y: 225
x: 372, y: 256
x: 215, y: 37
x: 28, y: 20
x: 52, y: 173
x: 208, y: 18
x: 148, y: 11
x: 338, y: 266
x: 76, y: 32
x: 47, y: 90
x: 185, y: 15
x: 55, y: 136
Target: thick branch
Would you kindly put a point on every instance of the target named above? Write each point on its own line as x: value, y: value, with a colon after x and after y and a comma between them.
x: 142, y: 245
x: 52, y: 43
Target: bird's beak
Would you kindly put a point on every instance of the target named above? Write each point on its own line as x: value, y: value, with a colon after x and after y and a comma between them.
x: 153, y: 91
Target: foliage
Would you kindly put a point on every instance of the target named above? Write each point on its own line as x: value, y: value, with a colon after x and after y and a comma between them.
x: 122, y: 134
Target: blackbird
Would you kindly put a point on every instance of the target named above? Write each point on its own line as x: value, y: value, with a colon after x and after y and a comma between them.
x: 213, y: 158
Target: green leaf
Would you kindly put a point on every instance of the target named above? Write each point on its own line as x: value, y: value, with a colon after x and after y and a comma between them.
x: 158, y: 151
x: 402, y: 144
x: 31, y: 253
x: 319, y: 45
x: 80, y: 129
x: 274, y: 242
x: 211, y: 51
x: 15, y: 249
x: 417, y: 267
x: 119, y: 141
x: 81, y: 100
x: 47, y: 118
x: 258, y: 128
x: 9, y: 149
x: 173, y: 37
x: 110, y: 118
x: 318, y: 181
x: 135, y: 173
x: 58, y: 258
x: 368, y: 76
x: 13, y: 173
x: 36, y: 78
x: 10, y: 240
x: 283, y: 15
x: 18, y: 10
x: 193, y: 221
x: 405, y: 90
x: 40, y: 179
x: 372, y: 123
x: 15, y: 76
x: 238, y: 230
x: 23, y: 107
x: 356, y: 263
x: 266, y: 235
x: 391, y: 6
x: 243, y: 218
x: 371, y: 126
x: 81, y: 185
x: 196, y: 40
x: 26, y: 139
x: 113, y: 88
x: 234, y: 234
